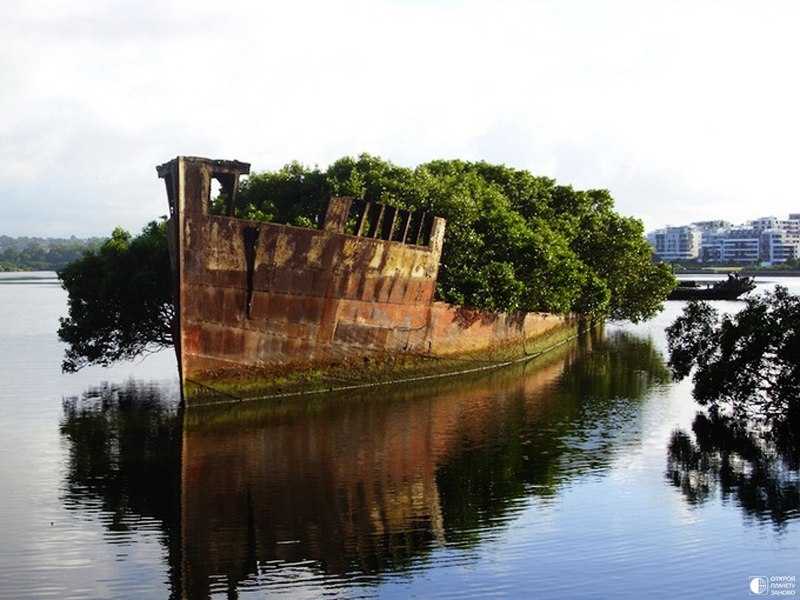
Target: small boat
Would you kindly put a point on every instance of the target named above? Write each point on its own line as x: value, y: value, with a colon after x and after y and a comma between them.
x: 727, y: 289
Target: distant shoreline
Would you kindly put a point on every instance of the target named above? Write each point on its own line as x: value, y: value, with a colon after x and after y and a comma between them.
x: 740, y: 271
x: 708, y: 271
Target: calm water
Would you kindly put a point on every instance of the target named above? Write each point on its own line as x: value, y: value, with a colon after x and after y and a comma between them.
x: 552, y: 479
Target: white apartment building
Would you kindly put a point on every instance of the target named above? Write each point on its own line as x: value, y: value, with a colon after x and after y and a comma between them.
x: 740, y: 246
x: 712, y: 233
x: 780, y: 239
x: 777, y: 247
x: 676, y: 243
x: 765, y: 241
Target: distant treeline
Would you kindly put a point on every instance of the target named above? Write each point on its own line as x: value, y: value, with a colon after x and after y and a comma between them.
x: 42, y: 254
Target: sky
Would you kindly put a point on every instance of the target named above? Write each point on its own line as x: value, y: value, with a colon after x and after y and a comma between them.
x: 683, y: 110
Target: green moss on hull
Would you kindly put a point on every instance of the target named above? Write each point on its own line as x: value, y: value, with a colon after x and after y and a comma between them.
x: 266, y: 409
x: 262, y: 383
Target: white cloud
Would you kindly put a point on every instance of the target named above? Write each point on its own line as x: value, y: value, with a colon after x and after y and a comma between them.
x: 679, y: 108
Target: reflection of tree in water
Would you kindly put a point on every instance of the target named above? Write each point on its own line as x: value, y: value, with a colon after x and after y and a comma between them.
x: 744, y: 368
x: 124, y: 458
x: 760, y: 472
x: 591, y: 413
x: 352, y: 485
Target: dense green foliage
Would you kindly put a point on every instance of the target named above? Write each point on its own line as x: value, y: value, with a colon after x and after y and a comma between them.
x: 513, y: 240
x: 746, y: 364
x: 120, y: 299
x: 41, y: 254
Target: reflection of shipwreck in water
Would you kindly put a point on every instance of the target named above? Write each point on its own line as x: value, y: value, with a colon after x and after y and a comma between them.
x: 326, y: 487
x: 284, y: 497
x: 357, y: 291
x: 272, y: 494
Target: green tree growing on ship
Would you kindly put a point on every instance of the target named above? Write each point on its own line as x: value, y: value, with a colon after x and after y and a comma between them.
x: 514, y: 241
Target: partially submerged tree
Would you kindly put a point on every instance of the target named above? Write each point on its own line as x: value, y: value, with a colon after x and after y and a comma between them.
x: 120, y: 299
x: 745, y: 364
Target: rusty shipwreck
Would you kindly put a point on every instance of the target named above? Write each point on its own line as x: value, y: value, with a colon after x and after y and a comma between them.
x: 355, y: 297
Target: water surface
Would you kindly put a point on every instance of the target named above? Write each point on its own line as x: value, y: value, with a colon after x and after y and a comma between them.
x: 549, y: 479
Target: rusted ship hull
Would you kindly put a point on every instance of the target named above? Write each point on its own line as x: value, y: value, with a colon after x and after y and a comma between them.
x: 253, y: 296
